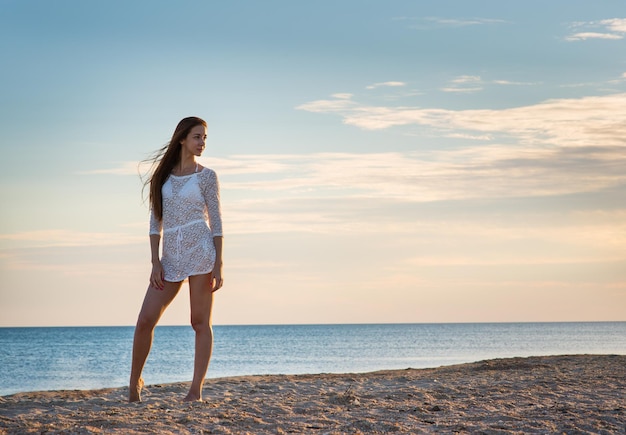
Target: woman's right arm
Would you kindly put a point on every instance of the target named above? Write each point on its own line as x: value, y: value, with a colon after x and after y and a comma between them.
x: 156, y: 277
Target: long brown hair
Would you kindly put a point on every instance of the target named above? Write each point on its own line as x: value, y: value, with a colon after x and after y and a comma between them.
x: 164, y: 161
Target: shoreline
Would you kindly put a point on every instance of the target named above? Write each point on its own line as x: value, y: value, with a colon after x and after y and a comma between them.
x: 543, y: 394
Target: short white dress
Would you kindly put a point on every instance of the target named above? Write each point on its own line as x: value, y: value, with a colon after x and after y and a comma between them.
x: 191, y: 218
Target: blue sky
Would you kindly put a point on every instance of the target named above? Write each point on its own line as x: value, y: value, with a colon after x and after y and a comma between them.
x: 405, y: 161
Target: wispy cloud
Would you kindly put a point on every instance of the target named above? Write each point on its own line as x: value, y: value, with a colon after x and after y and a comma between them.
x: 471, y: 84
x: 599, y: 84
x: 466, y: 79
x: 581, y: 36
x: 123, y: 168
x: 337, y: 104
x: 385, y: 84
x: 484, y: 137
x: 515, y: 259
x: 66, y: 238
x: 588, y: 121
x: 451, y: 22
x: 615, y: 24
x: 364, y: 195
x: 512, y: 83
x: 556, y: 147
x: 613, y: 28
x: 461, y: 90
x: 464, y: 84
x: 475, y: 172
x: 462, y: 22
x: 87, y: 269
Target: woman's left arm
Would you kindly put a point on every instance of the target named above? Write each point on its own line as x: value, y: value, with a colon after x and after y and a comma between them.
x: 211, y: 192
x: 217, y: 280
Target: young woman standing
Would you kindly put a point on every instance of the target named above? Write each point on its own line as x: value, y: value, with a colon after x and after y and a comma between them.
x: 185, y: 209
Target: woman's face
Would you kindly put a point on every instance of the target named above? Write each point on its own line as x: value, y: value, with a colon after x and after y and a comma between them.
x: 195, y: 142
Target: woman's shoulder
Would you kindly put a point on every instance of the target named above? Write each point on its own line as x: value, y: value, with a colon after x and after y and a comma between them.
x: 206, y: 173
x: 204, y: 169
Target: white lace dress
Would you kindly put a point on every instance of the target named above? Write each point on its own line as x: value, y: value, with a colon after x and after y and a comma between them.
x: 191, y: 218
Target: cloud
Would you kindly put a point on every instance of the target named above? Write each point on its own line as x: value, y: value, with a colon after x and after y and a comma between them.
x: 461, y: 90
x: 612, y: 28
x: 555, y: 147
x: 512, y: 259
x: 615, y: 24
x: 510, y: 83
x: 123, y: 168
x: 66, y: 238
x: 494, y: 171
x: 366, y: 193
x: 587, y: 121
x: 385, y: 84
x: 464, y: 84
x: 320, y: 106
x: 598, y: 85
x: 260, y: 165
x: 470, y: 136
x: 463, y: 22
x: 466, y: 79
x: 470, y: 84
x: 552, y: 148
x: 582, y: 36
x: 255, y: 164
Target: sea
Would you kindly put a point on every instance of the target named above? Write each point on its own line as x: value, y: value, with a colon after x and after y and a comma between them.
x: 80, y: 358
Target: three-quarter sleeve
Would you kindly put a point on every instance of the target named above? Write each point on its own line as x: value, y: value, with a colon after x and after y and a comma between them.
x: 155, y: 224
x: 211, y: 192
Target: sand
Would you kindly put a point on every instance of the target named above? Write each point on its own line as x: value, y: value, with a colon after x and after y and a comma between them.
x: 554, y: 394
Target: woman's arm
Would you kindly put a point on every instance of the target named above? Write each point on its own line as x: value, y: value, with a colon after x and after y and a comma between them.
x: 211, y: 193
x: 217, y: 281
x: 156, y: 277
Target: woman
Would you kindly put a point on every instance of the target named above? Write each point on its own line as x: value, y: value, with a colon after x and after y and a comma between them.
x: 185, y: 208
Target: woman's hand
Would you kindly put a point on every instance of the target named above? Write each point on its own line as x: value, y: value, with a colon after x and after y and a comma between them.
x: 156, y: 277
x: 216, y: 278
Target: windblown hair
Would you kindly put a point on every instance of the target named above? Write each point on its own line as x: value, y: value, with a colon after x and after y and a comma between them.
x: 165, y: 159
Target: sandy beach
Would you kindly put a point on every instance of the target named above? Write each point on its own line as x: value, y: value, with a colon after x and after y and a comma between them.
x: 552, y: 394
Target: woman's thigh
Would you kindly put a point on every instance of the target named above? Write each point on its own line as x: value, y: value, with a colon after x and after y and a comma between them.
x: 201, y: 298
x: 156, y: 301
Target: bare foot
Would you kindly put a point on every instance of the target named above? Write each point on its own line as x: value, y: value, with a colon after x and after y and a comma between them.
x: 134, y: 392
x: 192, y: 398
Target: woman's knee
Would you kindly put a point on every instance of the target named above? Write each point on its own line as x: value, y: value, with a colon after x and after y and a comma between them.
x: 146, y: 322
x: 201, y: 325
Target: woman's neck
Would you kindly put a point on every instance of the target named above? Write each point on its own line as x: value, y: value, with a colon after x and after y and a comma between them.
x: 186, y: 165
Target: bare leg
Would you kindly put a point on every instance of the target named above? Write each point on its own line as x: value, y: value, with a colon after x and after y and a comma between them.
x: 154, y: 304
x: 201, y: 299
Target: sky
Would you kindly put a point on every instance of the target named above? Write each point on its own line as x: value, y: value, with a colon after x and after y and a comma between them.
x: 380, y: 161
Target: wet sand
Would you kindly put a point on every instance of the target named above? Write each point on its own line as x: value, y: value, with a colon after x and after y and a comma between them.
x: 552, y: 394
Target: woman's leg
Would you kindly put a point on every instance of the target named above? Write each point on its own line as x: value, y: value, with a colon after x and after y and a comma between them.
x: 154, y: 304
x: 201, y: 299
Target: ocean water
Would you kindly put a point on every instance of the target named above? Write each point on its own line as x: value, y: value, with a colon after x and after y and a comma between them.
x: 36, y: 359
